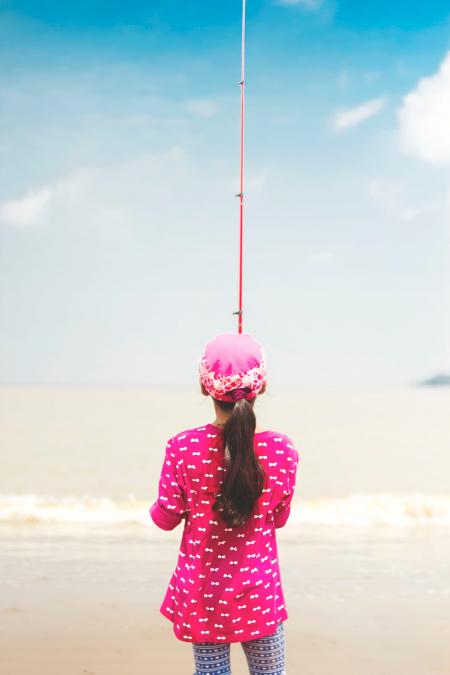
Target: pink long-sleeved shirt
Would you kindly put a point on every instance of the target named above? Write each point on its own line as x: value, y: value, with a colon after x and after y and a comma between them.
x: 226, y: 586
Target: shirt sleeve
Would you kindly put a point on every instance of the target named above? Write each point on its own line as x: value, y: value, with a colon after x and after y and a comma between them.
x: 283, y: 508
x: 170, y: 507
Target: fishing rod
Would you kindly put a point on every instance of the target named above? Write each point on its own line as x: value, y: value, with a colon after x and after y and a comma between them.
x: 241, y: 190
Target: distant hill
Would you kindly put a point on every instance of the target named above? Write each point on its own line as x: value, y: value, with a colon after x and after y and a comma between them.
x: 439, y: 380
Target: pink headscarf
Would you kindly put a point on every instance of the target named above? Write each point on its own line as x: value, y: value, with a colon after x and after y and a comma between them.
x: 232, y: 363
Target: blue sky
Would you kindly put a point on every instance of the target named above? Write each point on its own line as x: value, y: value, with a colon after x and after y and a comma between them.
x: 119, y: 140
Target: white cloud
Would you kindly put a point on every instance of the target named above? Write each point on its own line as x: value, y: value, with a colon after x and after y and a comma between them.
x: 424, y: 117
x: 350, y: 117
x: 203, y: 107
x: 27, y: 211
x: 111, y: 200
x: 46, y: 204
x: 306, y: 4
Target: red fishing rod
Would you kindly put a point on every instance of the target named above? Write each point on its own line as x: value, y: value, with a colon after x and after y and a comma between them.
x: 241, y: 191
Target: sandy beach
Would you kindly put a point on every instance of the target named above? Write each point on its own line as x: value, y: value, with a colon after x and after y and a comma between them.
x: 139, y: 647
x: 89, y: 605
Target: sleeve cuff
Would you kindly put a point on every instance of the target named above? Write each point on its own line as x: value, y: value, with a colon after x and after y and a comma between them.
x: 281, y: 517
x: 164, y: 519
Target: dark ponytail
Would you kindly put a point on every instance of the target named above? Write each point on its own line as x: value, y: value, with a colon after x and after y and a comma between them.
x: 245, y: 478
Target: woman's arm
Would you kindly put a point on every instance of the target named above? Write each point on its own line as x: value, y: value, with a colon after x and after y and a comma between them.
x: 170, y: 507
x: 283, y: 509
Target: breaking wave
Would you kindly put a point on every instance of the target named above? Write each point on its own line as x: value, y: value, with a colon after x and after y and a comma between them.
x: 352, y: 510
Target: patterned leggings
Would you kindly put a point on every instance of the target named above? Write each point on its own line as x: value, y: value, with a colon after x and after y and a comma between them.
x: 265, y: 656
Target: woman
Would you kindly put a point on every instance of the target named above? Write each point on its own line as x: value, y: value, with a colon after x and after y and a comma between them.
x: 232, y: 483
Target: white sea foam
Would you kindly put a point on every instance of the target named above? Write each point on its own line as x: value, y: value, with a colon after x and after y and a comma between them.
x: 375, y: 509
x: 353, y: 510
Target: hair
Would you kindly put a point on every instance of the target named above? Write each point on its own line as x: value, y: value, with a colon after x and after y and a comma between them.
x: 245, y: 478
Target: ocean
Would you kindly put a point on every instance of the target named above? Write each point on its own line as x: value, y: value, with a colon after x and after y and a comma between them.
x: 93, y: 455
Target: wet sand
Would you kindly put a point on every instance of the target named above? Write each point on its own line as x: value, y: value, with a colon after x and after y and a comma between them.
x: 99, y: 642
x: 90, y: 606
